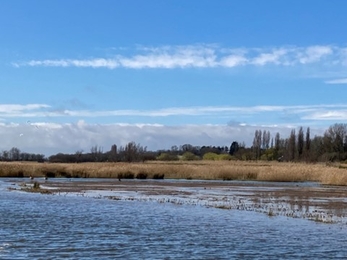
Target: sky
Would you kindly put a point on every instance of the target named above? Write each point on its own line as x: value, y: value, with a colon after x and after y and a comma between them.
x: 83, y: 73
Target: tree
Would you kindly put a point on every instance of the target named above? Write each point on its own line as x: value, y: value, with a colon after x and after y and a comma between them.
x: 266, y: 140
x: 112, y: 155
x: 234, y: 147
x: 307, y: 143
x: 300, y: 142
x: 96, y: 153
x: 14, y: 154
x: 133, y: 152
x: 257, y: 144
x: 276, y: 146
x: 334, y: 139
x: 291, y: 145
x: 316, y: 148
x: 5, y: 156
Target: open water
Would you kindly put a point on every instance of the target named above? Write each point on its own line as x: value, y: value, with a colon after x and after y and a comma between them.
x: 36, y: 226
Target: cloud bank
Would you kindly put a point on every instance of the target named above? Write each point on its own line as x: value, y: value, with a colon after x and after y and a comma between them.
x: 34, y: 134
x: 52, y: 138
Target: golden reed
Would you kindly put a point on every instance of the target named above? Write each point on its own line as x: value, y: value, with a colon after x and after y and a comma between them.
x: 203, y: 170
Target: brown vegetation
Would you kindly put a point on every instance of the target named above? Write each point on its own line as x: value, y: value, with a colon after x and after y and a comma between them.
x: 330, y: 174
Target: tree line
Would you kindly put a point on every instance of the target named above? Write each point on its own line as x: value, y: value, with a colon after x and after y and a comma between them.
x: 299, y: 146
x: 14, y: 154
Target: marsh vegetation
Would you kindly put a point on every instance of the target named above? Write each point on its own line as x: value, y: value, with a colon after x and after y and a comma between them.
x: 329, y: 174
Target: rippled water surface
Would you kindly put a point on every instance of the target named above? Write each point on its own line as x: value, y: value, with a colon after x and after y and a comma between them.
x: 36, y: 226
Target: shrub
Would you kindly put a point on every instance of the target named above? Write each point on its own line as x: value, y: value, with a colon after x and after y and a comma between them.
x: 189, y: 156
x: 210, y: 156
x: 167, y: 157
x: 225, y: 157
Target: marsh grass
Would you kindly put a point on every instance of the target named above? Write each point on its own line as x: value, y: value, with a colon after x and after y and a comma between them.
x: 204, y: 170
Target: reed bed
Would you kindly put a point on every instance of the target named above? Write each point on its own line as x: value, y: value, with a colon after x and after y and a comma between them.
x: 203, y: 170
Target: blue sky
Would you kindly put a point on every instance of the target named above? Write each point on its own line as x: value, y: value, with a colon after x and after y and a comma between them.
x: 75, y: 74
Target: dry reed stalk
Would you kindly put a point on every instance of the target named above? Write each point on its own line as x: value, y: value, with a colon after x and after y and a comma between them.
x: 205, y: 170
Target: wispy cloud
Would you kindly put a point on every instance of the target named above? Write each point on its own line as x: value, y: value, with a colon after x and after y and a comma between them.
x: 327, y: 115
x: 315, y: 53
x: 273, y: 57
x: 204, y: 56
x: 17, y: 108
x: 337, y: 81
x: 300, y: 113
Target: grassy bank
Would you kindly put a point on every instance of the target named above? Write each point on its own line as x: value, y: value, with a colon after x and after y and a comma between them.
x: 204, y: 170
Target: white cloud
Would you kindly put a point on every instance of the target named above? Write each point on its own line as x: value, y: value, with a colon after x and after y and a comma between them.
x: 272, y: 57
x: 337, y: 81
x: 48, y: 138
x: 328, y: 115
x: 302, y: 112
x: 16, y: 108
x: 205, y: 56
x: 93, y: 63
x: 314, y: 54
x: 69, y: 138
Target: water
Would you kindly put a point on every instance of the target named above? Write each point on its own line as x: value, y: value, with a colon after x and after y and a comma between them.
x: 36, y: 226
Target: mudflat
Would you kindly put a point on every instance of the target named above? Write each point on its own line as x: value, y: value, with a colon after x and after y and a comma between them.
x: 309, y: 200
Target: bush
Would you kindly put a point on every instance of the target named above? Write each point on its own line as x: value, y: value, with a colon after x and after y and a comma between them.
x: 167, y: 157
x: 210, y: 156
x: 188, y: 156
x: 225, y: 157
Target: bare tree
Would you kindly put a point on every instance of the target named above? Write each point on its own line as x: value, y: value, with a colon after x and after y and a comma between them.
x: 334, y: 139
x: 96, y: 153
x: 134, y: 152
x: 257, y: 144
x: 291, y: 145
